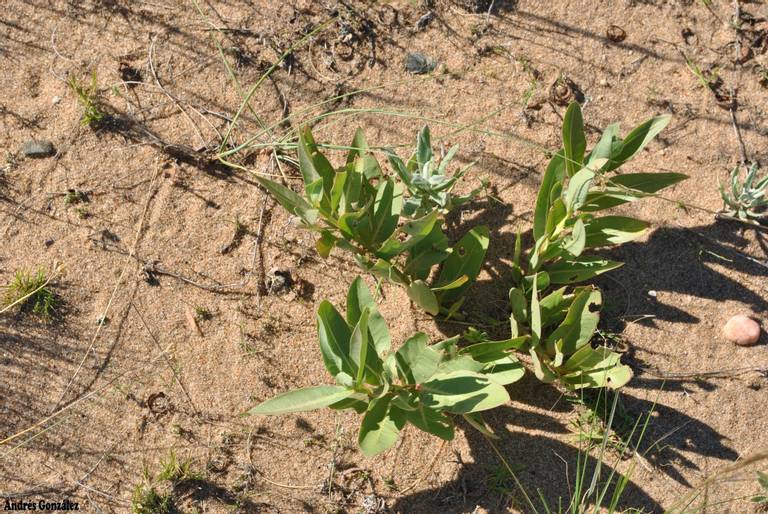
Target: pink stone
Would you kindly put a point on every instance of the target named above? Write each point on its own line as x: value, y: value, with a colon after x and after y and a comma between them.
x: 742, y: 330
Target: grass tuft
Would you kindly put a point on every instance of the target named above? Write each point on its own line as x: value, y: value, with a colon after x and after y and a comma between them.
x: 31, y: 293
x: 146, y: 500
x: 88, y: 96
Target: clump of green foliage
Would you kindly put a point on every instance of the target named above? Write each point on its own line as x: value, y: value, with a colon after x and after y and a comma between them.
x: 147, y: 500
x: 148, y: 496
x: 422, y: 384
x: 393, y: 227
x: 428, y: 183
x: 748, y: 199
x: 88, y: 97
x: 560, y: 319
x: 30, y: 292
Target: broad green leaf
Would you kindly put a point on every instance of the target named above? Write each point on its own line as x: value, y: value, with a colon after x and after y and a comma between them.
x: 574, y: 141
x: 358, y: 299
x: 453, y: 285
x: 428, y: 252
x: 418, y: 229
x: 579, y: 270
x: 466, y: 259
x: 637, y: 140
x: 462, y: 392
x: 325, y: 244
x: 574, y: 244
x: 333, y: 334
x: 535, y: 313
x: 595, y: 367
x: 578, y: 187
x: 505, y: 370
x: 358, y: 147
x: 447, y: 346
x: 604, y: 147
x: 358, y: 346
x: 357, y: 402
x: 542, y: 281
x: 476, y: 420
x: 313, y: 164
x: 423, y: 296
x: 447, y: 159
x: 368, y: 167
x: 647, y: 182
x: 556, y: 218
x: 380, y: 427
x: 423, y: 147
x: 416, y: 361
x: 337, y: 191
x: 554, y: 307
x: 491, y: 351
x: 399, y: 167
x: 290, y: 201
x: 628, y: 188
x: 519, y: 304
x: 431, y: 421
x: 554, y: 174
x: 387, y: 271
x: 613, y: 230
x: 578, y: 327
x: 540, y: 368
x: 460, y: 363
x: 354, y: 189
x: 300, y: 400
x: 382, y: 221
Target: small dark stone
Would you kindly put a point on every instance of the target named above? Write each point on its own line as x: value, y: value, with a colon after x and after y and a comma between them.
x: 38, y: 149
x: 424, y: 20
x: 418, y: 63
x: 48, y: 242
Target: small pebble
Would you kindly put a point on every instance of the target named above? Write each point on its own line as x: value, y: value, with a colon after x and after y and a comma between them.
x: 418, y: 63
x: 742, y: 330
x: 38, y: 149
x: 55, y: 100
x: 652, y: 293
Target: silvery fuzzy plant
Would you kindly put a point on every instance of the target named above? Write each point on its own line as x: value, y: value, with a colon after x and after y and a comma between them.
x: 423, y: 384
x: 560, y: 319
x: 746, y: 200
x: 427, y: 181
x: 391, y: 223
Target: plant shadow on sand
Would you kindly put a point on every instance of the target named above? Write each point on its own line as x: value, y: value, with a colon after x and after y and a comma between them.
x: 546, y: 465
x: 673, y: 259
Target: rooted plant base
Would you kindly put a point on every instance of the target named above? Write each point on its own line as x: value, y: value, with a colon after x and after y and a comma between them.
x: 148, y: 381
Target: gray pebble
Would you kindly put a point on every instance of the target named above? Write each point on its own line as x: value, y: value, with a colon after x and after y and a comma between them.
x: 418, y: 63
x: 38, y: 149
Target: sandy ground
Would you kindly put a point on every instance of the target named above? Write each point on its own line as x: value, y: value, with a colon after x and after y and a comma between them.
x: 88, y: 408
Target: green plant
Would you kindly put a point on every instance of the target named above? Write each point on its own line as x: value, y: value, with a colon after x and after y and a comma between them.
x: 560, y: 319
x: 146, y: 500
x: 421, y: 384
x: 75, y: 196
x: 393, y: 227
x: 745, y: 199
x: 203, y: 313
x: 88, y: 97
x: 428, y: 185
x: 762, y: 498
x: 175, y: 471
x: 31, y: 293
